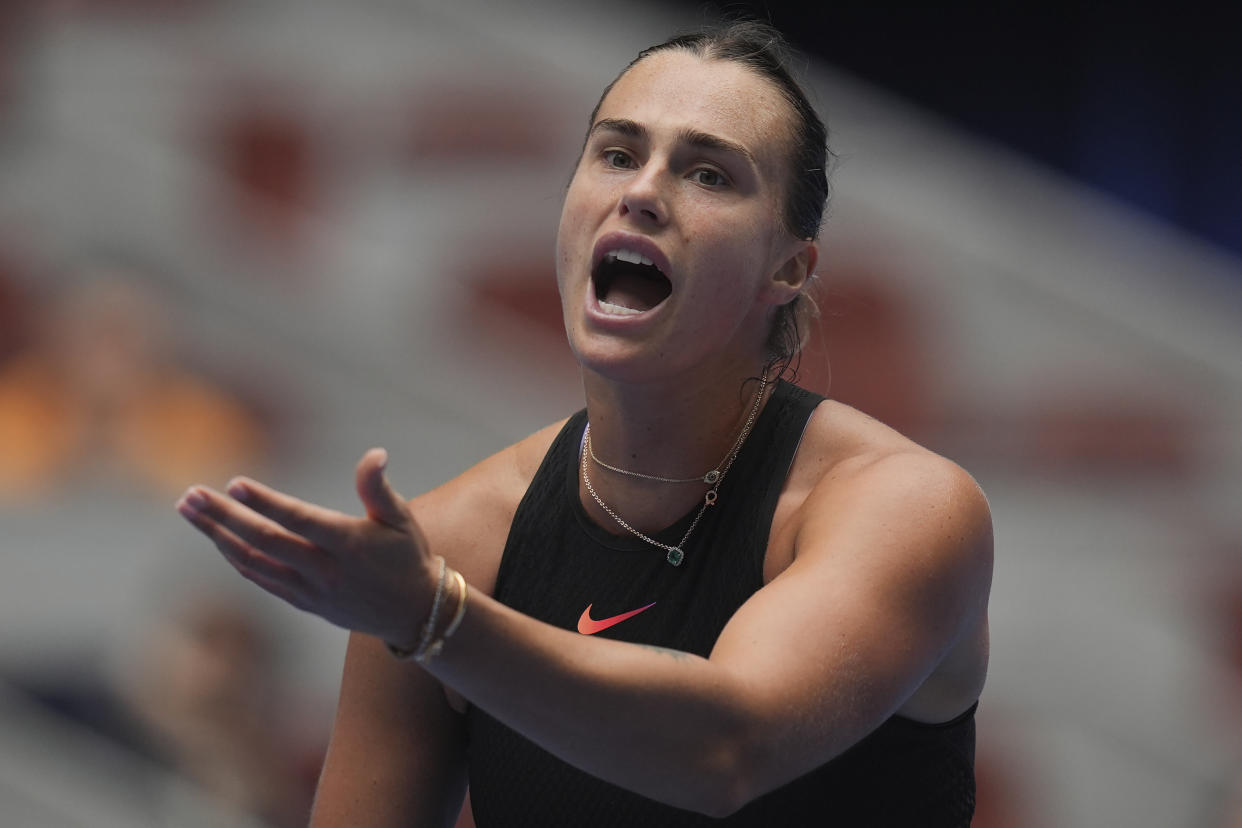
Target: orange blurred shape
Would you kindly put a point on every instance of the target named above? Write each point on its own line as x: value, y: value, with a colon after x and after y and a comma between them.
x: 187, y: 430
x: 40, y: 429
x: 102, y: 389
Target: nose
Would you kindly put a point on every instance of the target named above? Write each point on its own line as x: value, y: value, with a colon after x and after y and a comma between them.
x: 643, y: 198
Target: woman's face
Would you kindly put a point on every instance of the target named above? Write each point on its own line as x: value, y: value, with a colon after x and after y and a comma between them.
x: 671, y: 253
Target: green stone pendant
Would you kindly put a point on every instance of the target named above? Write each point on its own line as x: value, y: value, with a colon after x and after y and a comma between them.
x: 675, y: 556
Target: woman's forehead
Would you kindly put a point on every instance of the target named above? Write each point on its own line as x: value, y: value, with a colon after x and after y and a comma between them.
x: 678, y: 90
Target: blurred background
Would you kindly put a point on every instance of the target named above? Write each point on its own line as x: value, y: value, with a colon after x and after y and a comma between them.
x: 260, y: 237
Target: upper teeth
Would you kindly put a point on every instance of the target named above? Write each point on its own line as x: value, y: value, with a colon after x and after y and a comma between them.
x: 631, y: 256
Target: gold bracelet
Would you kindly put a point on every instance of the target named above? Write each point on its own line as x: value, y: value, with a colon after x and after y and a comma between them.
x: 436, y: 646
x: 461, y: 607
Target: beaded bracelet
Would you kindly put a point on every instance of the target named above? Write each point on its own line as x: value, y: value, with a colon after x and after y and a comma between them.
x: 403, y: 653
x: 436, y: 646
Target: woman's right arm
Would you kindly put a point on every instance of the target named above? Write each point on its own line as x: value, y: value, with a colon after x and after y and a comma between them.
x: 397, y: 754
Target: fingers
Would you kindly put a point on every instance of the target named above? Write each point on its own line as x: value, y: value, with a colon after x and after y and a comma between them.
x: 224, y: 520
x: 320, y: 526
x: 378, y: 497
x: 247, y: 556
x: 323, y: 561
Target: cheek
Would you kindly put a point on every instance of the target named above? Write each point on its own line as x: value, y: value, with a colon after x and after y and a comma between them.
x: 734, y: 263
x: 576, y: 211
x: 568, y: 232
x: 568, y: 261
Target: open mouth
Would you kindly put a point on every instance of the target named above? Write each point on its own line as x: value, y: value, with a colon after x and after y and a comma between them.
x: 627, y: 282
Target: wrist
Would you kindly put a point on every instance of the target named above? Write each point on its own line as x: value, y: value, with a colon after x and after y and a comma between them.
x: 448, y: 606
x: 429, y: 585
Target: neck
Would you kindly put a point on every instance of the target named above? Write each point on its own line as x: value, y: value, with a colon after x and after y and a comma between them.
x: 675, y: 429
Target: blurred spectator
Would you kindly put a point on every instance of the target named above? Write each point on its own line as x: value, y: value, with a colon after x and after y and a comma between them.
x: 209, y: 696
x: 100, y: 389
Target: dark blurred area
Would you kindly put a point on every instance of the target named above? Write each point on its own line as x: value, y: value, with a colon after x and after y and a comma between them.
x: 1143, y: 102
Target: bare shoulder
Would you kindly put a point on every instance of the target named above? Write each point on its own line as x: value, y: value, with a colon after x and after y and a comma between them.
x: 467, y: 519
x: 845, y: 450
x: 857, y: 478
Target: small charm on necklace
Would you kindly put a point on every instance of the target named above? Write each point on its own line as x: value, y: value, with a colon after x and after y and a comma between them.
x: 675, y: 556
x: 711, y: 477
x: 710, y: 498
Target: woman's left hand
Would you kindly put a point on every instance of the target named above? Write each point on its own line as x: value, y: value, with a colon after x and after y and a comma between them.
x: 372, y: 574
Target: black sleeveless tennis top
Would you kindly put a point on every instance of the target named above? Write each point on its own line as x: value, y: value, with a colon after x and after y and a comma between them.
x: 557, y: 561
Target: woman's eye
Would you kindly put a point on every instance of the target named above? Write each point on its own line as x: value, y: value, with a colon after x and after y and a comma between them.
x: 708, y: 177
x: 619, y: 159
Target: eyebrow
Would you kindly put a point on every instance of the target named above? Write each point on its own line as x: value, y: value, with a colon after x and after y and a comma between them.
x: 693, y: 137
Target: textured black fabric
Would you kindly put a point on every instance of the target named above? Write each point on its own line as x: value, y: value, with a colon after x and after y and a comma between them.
x: 557, y: 561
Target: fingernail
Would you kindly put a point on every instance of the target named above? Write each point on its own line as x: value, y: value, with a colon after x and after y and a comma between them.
x: 383, y: 464
x: 190, y: 504
x: 238, y: 490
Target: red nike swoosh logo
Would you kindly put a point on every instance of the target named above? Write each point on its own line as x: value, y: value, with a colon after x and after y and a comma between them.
x: 589, y: 626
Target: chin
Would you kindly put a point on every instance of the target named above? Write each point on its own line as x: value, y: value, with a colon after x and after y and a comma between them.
x: 619, y: 361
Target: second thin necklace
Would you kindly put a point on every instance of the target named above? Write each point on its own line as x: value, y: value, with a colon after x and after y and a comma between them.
x: 674, y: 554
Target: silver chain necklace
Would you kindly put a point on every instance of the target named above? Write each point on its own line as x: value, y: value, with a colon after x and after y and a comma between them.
x: 675, y: 554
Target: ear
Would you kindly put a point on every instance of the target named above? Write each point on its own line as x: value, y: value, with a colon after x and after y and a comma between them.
x: 791, y: 277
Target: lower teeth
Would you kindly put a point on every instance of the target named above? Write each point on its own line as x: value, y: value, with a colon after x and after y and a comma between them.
x: 609, y: 307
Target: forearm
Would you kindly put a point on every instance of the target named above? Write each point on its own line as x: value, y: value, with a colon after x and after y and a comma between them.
x: 669, y: 725
x: 397, y: 755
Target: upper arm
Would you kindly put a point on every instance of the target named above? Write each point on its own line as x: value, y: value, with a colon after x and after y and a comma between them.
x: 891, y: 572
x: 397, y: 754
